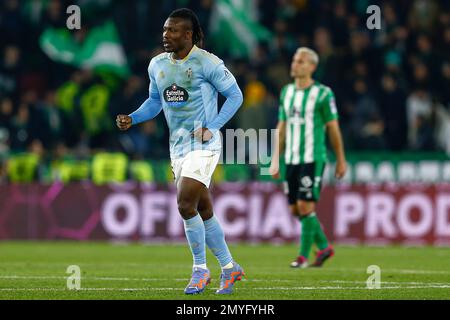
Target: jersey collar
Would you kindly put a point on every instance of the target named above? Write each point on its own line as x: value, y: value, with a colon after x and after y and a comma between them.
x: 305, y: 89
x: 174, y: 61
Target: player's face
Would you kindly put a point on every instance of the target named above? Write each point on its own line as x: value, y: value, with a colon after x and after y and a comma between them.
x: 176, y: 34
x: 301, y: 65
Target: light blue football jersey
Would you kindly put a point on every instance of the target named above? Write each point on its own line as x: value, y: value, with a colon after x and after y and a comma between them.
x: 188, y: 90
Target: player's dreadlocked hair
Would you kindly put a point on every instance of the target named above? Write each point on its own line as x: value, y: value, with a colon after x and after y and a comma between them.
x: 188, y: 14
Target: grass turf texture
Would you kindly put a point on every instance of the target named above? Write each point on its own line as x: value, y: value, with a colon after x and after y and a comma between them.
x: 37, y: 270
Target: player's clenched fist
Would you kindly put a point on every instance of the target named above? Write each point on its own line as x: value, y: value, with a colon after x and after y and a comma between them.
x: 123, y: 122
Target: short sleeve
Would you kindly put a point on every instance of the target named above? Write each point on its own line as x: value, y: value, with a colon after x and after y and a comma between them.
x: 328, y: 106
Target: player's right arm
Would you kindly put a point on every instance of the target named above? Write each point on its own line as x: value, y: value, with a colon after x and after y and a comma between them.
x: 280, y: 138
x: 330, y: 117
x: 335, y: 136
x: 278, y: 149
x: 148, y: 110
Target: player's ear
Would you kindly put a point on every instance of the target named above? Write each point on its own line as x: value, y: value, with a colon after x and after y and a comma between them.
x: 189, y: 34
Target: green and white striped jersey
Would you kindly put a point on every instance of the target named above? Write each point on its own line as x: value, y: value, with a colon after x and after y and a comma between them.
x: 306, y: 111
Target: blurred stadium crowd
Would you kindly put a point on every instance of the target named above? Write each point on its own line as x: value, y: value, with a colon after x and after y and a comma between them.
x: 392, y: 85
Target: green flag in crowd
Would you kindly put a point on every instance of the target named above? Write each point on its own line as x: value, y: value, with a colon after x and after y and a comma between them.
x: 101, y: 50
x: 235, y: 29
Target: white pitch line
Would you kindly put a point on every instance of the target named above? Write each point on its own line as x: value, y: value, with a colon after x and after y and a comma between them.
x: 17, y: 277
x: 90, y: 289
x: 418, y: 271
x: 351, y: 288
x: 239, y: 289
x: 388, y: 282
x: 402, y: 271
x: 183, y: 266
x: 14, y: 277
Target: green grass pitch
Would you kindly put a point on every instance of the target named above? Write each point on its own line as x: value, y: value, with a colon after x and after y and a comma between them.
x: 37, y: 270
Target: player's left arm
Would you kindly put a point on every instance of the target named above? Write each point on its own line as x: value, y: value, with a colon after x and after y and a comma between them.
x: 232, y: 103
x: 335, y: 136
x: 330, y: 116
x: 222, y: 79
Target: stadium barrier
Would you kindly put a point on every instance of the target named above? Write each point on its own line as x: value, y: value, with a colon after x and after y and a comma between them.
x: 413, y: 214
x: 370, y: 167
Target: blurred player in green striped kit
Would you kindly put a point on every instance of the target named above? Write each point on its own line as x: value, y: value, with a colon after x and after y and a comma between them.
x: 307, y: 110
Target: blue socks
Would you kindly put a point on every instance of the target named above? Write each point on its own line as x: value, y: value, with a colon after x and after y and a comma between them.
x: 198, y: 232
x: 215, y: 239
x: 195, y: 234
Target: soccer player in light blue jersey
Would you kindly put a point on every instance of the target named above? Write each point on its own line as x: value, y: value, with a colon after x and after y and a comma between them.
x: 184, y: 83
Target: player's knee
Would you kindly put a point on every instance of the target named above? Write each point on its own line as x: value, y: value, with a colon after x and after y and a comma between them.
x: 186, y: 209
x: 205, y: 213
x: 205, y: 209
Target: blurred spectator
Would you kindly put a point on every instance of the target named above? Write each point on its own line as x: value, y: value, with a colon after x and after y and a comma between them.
x: 6, y: 112
x: 54, y: 123
x: 393, y: 108
x: 444, y: 44
x: 328, y: 69
x: 9, y: 71
x: 421, y: 77
x: 419, y: 114
x: 11, y: 22
x: 278, y: 73
x: 21, y: 129
x: 145, y: 141
x: 130, y: 98
x: 442, y: 126
x: 423, y: 15
x: 391, y: 85
x: 339, y: 24
x: 55, y: 14
x: 368, y: 125
x: 444, y: 85
x: 253, y: 113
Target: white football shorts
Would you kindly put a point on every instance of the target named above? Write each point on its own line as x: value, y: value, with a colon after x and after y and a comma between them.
x: 197, y: 164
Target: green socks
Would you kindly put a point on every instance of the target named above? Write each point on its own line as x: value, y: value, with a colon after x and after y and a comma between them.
x: 320, y: 238
x: 311, y: 232
x: 308, y: 233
